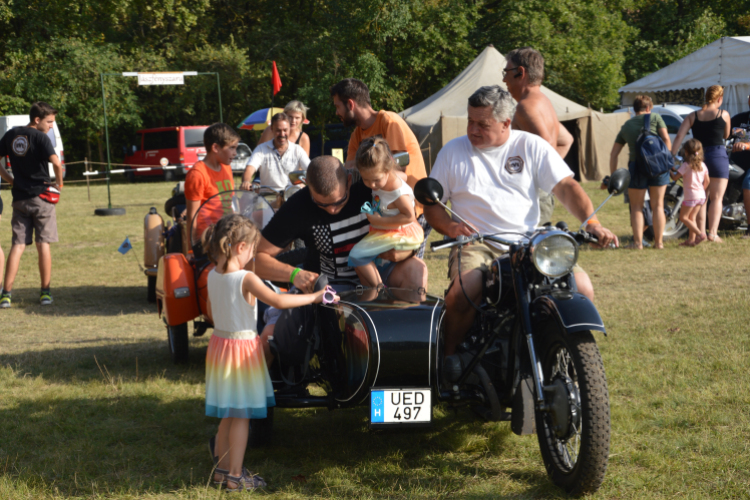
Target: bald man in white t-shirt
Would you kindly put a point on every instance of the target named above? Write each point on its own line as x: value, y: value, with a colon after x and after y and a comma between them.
x: 491, y: 177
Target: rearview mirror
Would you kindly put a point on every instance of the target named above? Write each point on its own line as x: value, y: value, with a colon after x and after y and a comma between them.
x: 618, y: 181
x: 297, y: 177
x: 402, y: 159
x: 428, y: 191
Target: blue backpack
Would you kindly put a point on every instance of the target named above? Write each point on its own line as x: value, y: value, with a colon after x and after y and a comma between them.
x: 651, y: 154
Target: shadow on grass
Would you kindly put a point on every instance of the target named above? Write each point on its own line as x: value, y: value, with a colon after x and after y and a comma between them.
x: 151, y: 437
x: 93, y: 300
x: 146, y: 443
x: 127, y: 362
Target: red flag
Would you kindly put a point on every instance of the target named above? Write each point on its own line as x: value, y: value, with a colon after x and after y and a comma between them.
x: 275, y: 80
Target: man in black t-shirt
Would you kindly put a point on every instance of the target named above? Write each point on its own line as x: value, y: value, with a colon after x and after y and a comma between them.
x: 29, y: 151
x: 327, y: 216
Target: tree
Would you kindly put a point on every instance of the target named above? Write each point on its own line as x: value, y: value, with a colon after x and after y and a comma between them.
x: 65, y: 73
x: 583, y: 43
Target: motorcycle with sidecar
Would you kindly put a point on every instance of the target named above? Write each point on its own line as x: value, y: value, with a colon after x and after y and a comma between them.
x: 530, y: 358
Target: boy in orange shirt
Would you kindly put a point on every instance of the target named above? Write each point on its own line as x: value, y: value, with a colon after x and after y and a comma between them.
x: 213, y: 175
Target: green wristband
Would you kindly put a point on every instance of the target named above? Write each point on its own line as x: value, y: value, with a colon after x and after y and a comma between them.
x: 294, y: 275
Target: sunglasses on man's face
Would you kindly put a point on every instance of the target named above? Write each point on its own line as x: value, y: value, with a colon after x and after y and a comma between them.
x: 335, y: 203
x: 505, y: 71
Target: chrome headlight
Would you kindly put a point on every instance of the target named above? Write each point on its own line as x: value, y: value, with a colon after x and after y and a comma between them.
x: 554, y: 253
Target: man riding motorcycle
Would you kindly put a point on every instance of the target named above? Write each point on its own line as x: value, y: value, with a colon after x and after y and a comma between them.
x: 491, y: 177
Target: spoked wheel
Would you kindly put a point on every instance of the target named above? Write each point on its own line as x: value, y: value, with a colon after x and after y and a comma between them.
x: 673, y: 228
x: 574, y: 429
x: 177, y: 337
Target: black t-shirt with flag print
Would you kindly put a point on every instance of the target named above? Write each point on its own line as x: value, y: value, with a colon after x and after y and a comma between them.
x: 29, y: 151
x: 328, y: 238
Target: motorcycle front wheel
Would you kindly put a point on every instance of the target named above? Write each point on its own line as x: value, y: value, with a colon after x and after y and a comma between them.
x: 574, y: 428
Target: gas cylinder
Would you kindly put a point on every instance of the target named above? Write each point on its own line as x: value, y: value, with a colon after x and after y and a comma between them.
x: 153, y: 237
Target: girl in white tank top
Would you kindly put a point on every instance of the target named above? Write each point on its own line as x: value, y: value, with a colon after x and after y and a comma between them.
x: 393, y: 223
x: 238, y: 386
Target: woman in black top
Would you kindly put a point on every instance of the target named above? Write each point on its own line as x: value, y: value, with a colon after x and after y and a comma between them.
x: 710, y: 125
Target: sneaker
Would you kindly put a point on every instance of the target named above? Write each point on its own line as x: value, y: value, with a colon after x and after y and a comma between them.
x: 45, y: 298
x: 5, y: 300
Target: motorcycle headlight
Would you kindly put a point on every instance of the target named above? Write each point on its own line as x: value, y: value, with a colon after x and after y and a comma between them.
x: 554, y: 253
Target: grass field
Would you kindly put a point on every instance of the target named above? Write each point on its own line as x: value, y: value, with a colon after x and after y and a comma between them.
x: 92, y: 407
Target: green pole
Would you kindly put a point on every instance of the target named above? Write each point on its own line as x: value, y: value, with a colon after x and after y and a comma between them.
x: 218, y: 88
x: 106, y: 135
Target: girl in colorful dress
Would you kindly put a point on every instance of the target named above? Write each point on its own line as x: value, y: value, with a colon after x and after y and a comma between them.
x: 393, y: 224
x: 238, y: 386
x: 694, y: 184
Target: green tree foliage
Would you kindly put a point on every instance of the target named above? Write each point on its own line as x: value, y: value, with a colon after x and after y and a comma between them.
x: 669, y: 30
x: 583, y: 42
x: 405, y: 50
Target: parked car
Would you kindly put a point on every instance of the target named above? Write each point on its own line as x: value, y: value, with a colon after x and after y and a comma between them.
x: 181, y: 146
x: 243, y: 156
x: 13, y: 121
x: 673, y: 115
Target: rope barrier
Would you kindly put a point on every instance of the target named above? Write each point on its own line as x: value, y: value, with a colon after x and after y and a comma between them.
x: 123, y: 170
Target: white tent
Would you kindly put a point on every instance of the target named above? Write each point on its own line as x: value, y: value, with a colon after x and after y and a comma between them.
x: 443, y: 116
x: 723, y: 62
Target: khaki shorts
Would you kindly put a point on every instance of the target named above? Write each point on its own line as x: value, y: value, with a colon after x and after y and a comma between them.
x: 33, y: 215
x: 479, y: 256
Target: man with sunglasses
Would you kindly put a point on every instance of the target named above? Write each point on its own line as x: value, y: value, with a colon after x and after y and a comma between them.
x: 326, y: 215
x: 523, y: 74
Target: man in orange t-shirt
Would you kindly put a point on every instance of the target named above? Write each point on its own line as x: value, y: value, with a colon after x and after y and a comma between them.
x: 351, y: 98
x: 213, y: 175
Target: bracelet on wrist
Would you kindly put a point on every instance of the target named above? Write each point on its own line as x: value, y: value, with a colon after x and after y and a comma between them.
x: 594, y: 221
x: 294, y: 275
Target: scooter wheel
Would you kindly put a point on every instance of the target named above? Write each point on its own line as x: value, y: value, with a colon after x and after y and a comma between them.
x: 177, y: 336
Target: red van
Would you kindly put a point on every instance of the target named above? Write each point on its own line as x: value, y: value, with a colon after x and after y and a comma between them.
x: 182, y: 146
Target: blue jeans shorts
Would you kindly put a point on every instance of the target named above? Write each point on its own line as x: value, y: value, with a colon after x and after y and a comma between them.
x: 640, y: 181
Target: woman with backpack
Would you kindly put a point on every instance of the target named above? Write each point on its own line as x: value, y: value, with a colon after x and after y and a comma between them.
x: 710, y: 125
x: 639, y: 182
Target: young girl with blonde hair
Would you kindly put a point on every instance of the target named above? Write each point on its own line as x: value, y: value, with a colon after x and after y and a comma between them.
x: 695, y: 181
x: 393, y: 222
x: 238, y: 386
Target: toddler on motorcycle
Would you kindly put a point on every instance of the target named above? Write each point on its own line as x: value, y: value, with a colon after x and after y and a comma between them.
x: 393, y: 222
x: 238, y: 386
x: 696, y: 180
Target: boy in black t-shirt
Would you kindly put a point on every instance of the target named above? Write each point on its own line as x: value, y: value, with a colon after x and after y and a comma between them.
x: 29, y: 150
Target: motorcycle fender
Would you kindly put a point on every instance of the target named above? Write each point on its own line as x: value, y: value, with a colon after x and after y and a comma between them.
x: 177, y: 290
x: 573, y: 314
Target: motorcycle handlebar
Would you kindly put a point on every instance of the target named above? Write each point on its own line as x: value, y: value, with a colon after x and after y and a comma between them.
x: 581, y: 237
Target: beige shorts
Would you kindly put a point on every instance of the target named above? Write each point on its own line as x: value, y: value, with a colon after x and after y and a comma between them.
x: 479, y: 256
x: 33, y: 216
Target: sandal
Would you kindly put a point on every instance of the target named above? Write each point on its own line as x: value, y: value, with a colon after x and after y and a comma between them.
x: 225, y: 474
x: 246, y: 482
x: 715, y: 238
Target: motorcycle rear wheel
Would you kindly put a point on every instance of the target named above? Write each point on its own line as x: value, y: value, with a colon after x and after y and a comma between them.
x: 674, y: 228
x: 574, y: 436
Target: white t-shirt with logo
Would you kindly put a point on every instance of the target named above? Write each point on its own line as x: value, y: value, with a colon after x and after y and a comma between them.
x: 495, y: 189
x: 274, y: 169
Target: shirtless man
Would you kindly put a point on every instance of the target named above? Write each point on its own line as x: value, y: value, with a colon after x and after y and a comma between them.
x: 523, y: 74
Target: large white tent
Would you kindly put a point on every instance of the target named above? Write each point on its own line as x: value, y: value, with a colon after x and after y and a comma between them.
x: 723, y: 62
x: 443, y: 116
